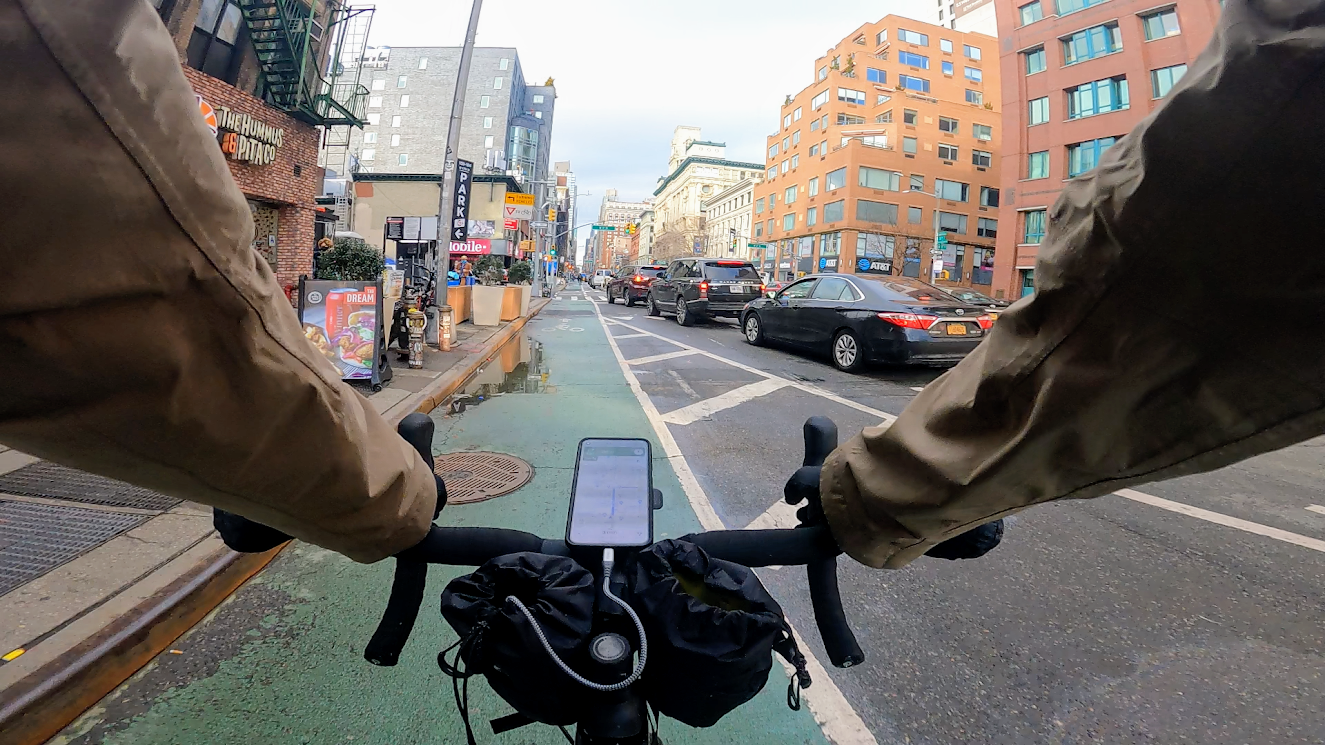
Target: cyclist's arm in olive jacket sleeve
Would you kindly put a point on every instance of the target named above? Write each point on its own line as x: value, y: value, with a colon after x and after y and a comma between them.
x: 145, y: 340
x: 1178, y: 323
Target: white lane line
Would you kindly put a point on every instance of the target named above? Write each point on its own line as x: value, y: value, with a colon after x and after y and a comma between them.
x: 1219, y: 518
x: 691, y: 392
x: 723, y: 401
x: 840, y: 723
x: 806, y: 387
x: 1316, y: 508
x: 631, y: 336
x: 780, y: 515
x: 659, y: 357
x: 917, y: 388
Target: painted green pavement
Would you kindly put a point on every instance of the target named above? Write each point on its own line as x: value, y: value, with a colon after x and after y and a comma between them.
x: 281, y: 661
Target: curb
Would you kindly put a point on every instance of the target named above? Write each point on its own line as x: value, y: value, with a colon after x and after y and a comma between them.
x: 37, y: 707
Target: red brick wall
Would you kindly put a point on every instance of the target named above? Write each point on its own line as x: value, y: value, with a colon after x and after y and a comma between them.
x: 276, y: 182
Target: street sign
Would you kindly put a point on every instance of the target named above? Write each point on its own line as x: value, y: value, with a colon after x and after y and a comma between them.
x: 757, y: 245
x: 538, y: 224
x: 518, y: 206
x: 942, y: 238
x: 604, y: 227
x: 511, y: 224
x: 460, y: 202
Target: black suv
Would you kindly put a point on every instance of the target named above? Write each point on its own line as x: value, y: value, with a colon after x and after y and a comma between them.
x: 695, y: 289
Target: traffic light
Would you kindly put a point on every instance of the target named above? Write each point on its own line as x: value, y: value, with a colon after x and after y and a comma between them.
x: 551, y: 214
x: 554, y: 252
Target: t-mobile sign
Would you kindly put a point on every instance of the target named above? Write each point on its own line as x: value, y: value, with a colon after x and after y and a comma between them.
x: 460, y: 201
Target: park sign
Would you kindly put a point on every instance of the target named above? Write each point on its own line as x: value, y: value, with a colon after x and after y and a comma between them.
x: 460, y: 202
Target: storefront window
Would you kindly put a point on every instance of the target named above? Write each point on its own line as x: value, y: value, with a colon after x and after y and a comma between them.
x: 982, y: 266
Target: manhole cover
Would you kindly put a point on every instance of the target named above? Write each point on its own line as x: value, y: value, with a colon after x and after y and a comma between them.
x: 474, y: 477
x: 46, y: 479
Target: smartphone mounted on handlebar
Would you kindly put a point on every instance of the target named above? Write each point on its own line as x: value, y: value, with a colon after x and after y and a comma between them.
x: 611, y: 503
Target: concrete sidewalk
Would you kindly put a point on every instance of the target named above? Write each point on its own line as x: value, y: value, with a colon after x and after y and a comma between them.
x: 86, y: 562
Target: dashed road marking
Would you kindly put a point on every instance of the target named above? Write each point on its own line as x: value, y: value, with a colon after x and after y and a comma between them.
x: 660, y: 357
x: 1316, y: 508
x: 917, y: 388
x: 1219, y: 518
x: 723, y: 401
x: 630, y: 336
x: 680, y: 381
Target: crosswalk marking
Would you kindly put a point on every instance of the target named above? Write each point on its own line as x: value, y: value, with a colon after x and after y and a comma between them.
x: 658, y: 357
x: 700, y: 409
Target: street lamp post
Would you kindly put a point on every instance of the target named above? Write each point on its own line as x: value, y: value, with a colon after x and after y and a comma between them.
x: 934, y: 252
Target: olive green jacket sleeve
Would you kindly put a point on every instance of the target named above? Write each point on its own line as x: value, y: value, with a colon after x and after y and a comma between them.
x: 1178, y: 324
x: 145, y: 340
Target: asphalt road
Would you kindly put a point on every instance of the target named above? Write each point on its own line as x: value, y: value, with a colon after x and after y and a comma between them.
x: 1109, y: 620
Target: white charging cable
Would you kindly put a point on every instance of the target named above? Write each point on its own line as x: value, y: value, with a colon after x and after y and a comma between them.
x: 609, y: 558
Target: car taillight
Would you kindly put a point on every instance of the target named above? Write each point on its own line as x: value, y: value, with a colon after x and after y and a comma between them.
x: 638, y: 279
x: 703, y: 289
x: 762, y: 288
x: 909, y: 320
x: 986, y: 322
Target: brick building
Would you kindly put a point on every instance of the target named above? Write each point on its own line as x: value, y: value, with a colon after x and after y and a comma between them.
x: 254, y: 67
x: 895, y: 138
x: 1077, y: 76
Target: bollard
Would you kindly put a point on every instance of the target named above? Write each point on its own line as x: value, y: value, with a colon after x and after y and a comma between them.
x: 416, y: 321
x: 445, y: 327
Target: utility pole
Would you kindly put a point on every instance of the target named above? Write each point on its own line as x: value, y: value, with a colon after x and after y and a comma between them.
x: 444, y: 205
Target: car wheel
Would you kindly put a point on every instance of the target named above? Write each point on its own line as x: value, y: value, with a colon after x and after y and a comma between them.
x: 653, y: 306
x: 630, y: 301
x: 610, y: 301
x: 683, y: 315
x: 754, y: 330
x: 847, y: 354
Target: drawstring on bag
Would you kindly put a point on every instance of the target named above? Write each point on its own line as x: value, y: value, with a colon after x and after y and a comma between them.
x: 800, y: 680
x: 465, y: 646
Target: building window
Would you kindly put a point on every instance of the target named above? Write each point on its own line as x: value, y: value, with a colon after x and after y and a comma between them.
x: 504, y: 64
x: 835, y: 179
x: 1036, y: 61
x: 850, y: 96
x: 819, y: 100
x: 986, y: 228
x: 1071, y: 6
x: 795, y: 160
x: 948, y: 69
x: 948, y: 125
x: 845, y: 119
x: 1037, y: 165
x: 789, y: 196
x: 400, y: 81
x: 785, y: 166
x: 945, y: 45
x: 915, y: 215
x: 813, y: 186
x: 834, y: 211
x: 948, y: 152
x: 811, y: 216
x: 883, y: 212
x: 975, y: 97
x: 988, y: 196
x: 814, y: 150
x: 369, y: 138
x: 786, y: 144
x: 773, y: 150
x: 496, y: 84
x: 1093, y: 42
x: 974, y: 74
x: 796, y: 115
x: 772, y: 201
x: 402, y: 159
x: 909, y: 145
x: 982, y: 158
x: 368, y: 154
x: 1039, y: 111
x: 759, y: 206
x: 404, y: 101
x: 786, y: 121
x: 914, y: 84
x: 1030, y: 13
x: 423, y: 63
x: 911, y: 37
x: 917, y: 182
x: 1161, y: 24
x: 972, y: 52
x: 483, y: 102
x: 823, y: 72
x: 913, y: 59
x: 1163, y: 79
x: 1033, y: 230
x: 909, y: 116
x: 395, y: 140
x: 771, y: 172
x: 884, y: 118
x: 876, y: 76
x: 374, y: 119
x: 877, y: 178
x: 374, y: 102
x: 488, y: 142
x: 395, y: 120
x: 789, y: 221
x: 759, y: 229
x: 487, y: 122
x: 1084, y: 156
x: 953, y: 191
x: 982, y: 131
x: 538, y: 98
x: 212, y: 44
x: 881, y: 37
x: 952, y: 222
x: 796, y: 137
x: 1099, y: 97
x: 379, y: 84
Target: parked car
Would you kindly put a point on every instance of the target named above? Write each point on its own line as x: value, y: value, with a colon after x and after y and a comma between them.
x: 859, y: 319
x: 633, y: 283
x: 967, y: 295
x: 695, y: 289
x: 600, y: 278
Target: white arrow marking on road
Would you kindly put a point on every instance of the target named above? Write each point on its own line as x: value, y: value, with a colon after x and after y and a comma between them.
x: 700, y: 409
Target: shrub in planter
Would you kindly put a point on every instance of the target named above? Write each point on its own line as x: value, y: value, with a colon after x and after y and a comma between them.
x: 350, y: 259
x: 520, y: 272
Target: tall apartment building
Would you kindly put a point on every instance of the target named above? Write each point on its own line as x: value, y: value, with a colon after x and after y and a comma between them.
x: 971, y: 16
x: 564, y: 226
x: 612, y: 248
x: 1078, y: 75
x: 697, y: 170
x: 896, y: 136
x: 507, y: 124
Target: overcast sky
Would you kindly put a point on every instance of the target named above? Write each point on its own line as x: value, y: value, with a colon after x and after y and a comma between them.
x: 628, y: 72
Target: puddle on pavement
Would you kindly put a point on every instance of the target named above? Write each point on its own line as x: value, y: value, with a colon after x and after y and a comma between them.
x: 517, y: 367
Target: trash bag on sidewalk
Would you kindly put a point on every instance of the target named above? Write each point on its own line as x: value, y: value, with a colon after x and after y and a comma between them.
x: 497, y: 640
x: 712, y: 630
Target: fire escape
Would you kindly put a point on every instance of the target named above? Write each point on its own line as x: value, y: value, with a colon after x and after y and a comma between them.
x: 301, y: 73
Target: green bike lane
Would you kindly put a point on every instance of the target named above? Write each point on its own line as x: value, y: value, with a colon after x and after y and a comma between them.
x: 281, y: 660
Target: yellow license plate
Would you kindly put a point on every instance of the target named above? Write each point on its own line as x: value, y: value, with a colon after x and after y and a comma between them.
x: 956, y: 329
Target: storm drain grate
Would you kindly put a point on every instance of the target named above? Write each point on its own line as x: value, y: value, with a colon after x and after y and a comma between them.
x: 46, y: 479
x: 474, y: 477
x: 36, y: 538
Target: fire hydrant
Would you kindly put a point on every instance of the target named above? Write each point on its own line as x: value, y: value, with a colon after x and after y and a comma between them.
x: 416, y: 321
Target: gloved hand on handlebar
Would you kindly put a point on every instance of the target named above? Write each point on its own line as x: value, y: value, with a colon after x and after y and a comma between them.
x: 803, y: 486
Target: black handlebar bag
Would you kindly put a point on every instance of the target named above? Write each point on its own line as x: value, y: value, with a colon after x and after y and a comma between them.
x: 497, y: 640
x: 712, y: 630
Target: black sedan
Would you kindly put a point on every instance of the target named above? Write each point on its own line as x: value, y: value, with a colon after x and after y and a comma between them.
x: 862, y: 318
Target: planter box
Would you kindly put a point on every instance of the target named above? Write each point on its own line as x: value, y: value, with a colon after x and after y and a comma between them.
x: 510, y: 302
x: 486, y: 307
x: 460, y: 299
x: 526, y: 292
